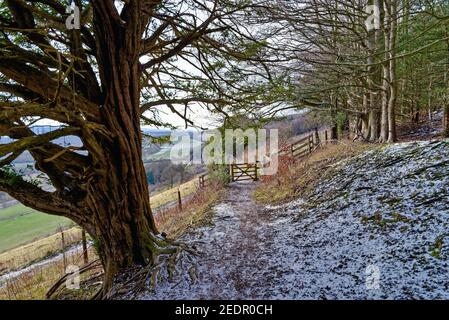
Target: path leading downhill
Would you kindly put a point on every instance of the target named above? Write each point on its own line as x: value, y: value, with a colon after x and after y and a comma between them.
x: 238, y: 260
x: 378, y: 228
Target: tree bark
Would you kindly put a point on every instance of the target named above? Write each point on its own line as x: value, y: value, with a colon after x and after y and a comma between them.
x: 385, y: 79
x: 374, y: 76
x: 445, y: 119
x: 334, y: 129
x: 389, y: 94
x: 117, y: 199
x: 392, y: 73
x: 120, y: 212
x: 384, y: 109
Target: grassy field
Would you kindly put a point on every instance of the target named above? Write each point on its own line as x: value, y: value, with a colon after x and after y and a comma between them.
x: 34, y: 283
x: 171, y: 195
x: 20, y: 225
x: 23, y: 255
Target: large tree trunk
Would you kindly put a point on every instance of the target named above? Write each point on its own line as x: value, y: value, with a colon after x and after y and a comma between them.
x: 117, y: 196
x: 373, y: 119
x: 392, y: 73
x: 385, y: 91
x: 384, y: 109
x: 118, y: 199
x: 119, y: 206
x: 373, y: 125
x: 374, y: 76
x: 388, y: 125
x: 446, y: 100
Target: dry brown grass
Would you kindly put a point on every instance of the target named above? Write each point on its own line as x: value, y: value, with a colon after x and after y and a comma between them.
x: 296, y: 178
x: 35, y: 251
x: 34, y: 284
x: 170, y: 195
x: 175, y: 222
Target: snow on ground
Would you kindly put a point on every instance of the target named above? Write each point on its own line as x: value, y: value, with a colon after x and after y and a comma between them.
x: 377, y: 229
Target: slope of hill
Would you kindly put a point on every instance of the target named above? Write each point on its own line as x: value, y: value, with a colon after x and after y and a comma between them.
x: 20, y: 224
x: 375, y: 226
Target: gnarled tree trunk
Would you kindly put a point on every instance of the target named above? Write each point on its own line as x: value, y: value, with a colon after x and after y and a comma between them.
x: 118, y: 197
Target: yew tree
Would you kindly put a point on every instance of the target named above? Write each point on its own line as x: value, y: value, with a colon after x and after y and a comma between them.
x: 127, y: 61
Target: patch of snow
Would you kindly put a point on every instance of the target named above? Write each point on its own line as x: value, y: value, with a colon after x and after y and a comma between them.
x: 11, y: 276
x: 383, y: 215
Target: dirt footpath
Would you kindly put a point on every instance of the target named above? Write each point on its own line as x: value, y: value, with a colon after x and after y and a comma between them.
x: 376, y: 229
x: 237, y: 257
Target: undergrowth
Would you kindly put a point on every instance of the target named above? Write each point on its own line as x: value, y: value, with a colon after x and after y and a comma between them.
x: 296, y: 178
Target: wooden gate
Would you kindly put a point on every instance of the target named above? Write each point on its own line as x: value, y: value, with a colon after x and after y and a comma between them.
x: 303, y: 147
x: 244, y: 172
x: 203, y: 179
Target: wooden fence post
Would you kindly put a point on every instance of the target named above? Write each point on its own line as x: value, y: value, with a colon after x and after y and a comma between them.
x: 310, y: 143
x: 317, y: 137
x: 202, y: 180
x: 85, y: 254
x: 334, y: 134
x: 63, y: 250
x: 179, y: 200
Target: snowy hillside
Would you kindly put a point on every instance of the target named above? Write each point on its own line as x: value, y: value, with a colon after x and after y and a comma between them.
x: 383, y: 214
x: 377, y: 228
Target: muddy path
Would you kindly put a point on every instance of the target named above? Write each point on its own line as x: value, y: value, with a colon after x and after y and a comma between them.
x: 237, y: 255
x: 362, y: 234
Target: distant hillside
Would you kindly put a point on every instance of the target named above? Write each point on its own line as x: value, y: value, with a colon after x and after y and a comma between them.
x: 156, y: 132
x: 149, y: 148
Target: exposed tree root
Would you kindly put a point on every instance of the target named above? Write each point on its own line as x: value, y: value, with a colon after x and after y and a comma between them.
x: 56, y: 288
x: 170, y: 260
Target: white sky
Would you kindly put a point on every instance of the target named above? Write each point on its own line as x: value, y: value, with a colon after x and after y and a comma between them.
x: 196, y: 113
x: 199, y: 115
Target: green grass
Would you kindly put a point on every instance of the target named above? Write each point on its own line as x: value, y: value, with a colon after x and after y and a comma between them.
x: 163, y: 154
x: 167, y: 196
x: 19, y: 225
